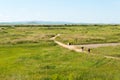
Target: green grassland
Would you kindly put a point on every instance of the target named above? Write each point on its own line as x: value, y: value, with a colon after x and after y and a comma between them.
x: 91, y: 34
x: 72, y: 34
x: 26, y: 53
x: 109, y: 51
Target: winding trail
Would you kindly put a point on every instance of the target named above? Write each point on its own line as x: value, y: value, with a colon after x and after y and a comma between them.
x: 111, y: 57
x: 76, y: 49
x: 53, y: 38
x: 68, y: 46
x: 98, y: 45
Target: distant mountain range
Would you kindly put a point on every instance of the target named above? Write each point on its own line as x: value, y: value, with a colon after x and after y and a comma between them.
x: 35, y: 23
x: 48, y: 23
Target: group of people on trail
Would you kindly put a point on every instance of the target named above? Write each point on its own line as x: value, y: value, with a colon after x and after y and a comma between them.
x: 89, y: 50
x: 82, y: 48
x: 68, y: 43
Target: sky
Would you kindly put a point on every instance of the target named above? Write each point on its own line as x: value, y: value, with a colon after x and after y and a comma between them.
x: 82, y: 11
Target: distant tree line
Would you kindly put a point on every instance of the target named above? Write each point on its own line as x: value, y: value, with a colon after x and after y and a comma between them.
x: 64, y: 25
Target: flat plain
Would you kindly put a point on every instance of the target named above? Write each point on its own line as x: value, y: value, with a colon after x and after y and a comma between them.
x: 27, y: 53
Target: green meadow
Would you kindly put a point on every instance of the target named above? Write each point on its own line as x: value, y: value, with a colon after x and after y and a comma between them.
x: 27, y: 53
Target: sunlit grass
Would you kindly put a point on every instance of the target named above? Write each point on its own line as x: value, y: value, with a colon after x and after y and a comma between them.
x: 46, y: 60
x: 26, y: 53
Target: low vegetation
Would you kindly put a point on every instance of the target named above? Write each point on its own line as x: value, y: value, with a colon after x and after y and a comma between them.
x: 109, y: 51
x: 93, y: 34
x: 26, y: 53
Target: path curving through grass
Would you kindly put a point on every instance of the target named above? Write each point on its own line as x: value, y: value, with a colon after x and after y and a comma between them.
x: 76, y: 49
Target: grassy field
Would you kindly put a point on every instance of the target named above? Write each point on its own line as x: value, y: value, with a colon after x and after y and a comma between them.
x: 91, y: 34
x: 26, y: 53
x: 80, y: 34
x: 110, y: 51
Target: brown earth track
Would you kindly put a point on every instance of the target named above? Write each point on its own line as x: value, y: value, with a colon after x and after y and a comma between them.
x: 76, y: 49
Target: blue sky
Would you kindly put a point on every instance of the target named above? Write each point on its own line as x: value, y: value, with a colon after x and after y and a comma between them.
x: 86, y: 11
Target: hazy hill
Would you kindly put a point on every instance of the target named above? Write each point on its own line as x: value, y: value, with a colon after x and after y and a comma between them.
x: 37, y: 22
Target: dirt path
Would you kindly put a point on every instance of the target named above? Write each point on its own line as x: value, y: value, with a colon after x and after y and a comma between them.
x: 53, y: 38
x: 76, y: 49
x: 111, y: 57
x: 64, y: 45
x: 68, y: 46
x: 98, y: 45
x: 80, y: 50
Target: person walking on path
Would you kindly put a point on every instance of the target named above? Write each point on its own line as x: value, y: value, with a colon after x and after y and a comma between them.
x: 82, y: 48
x: 89, y: 50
